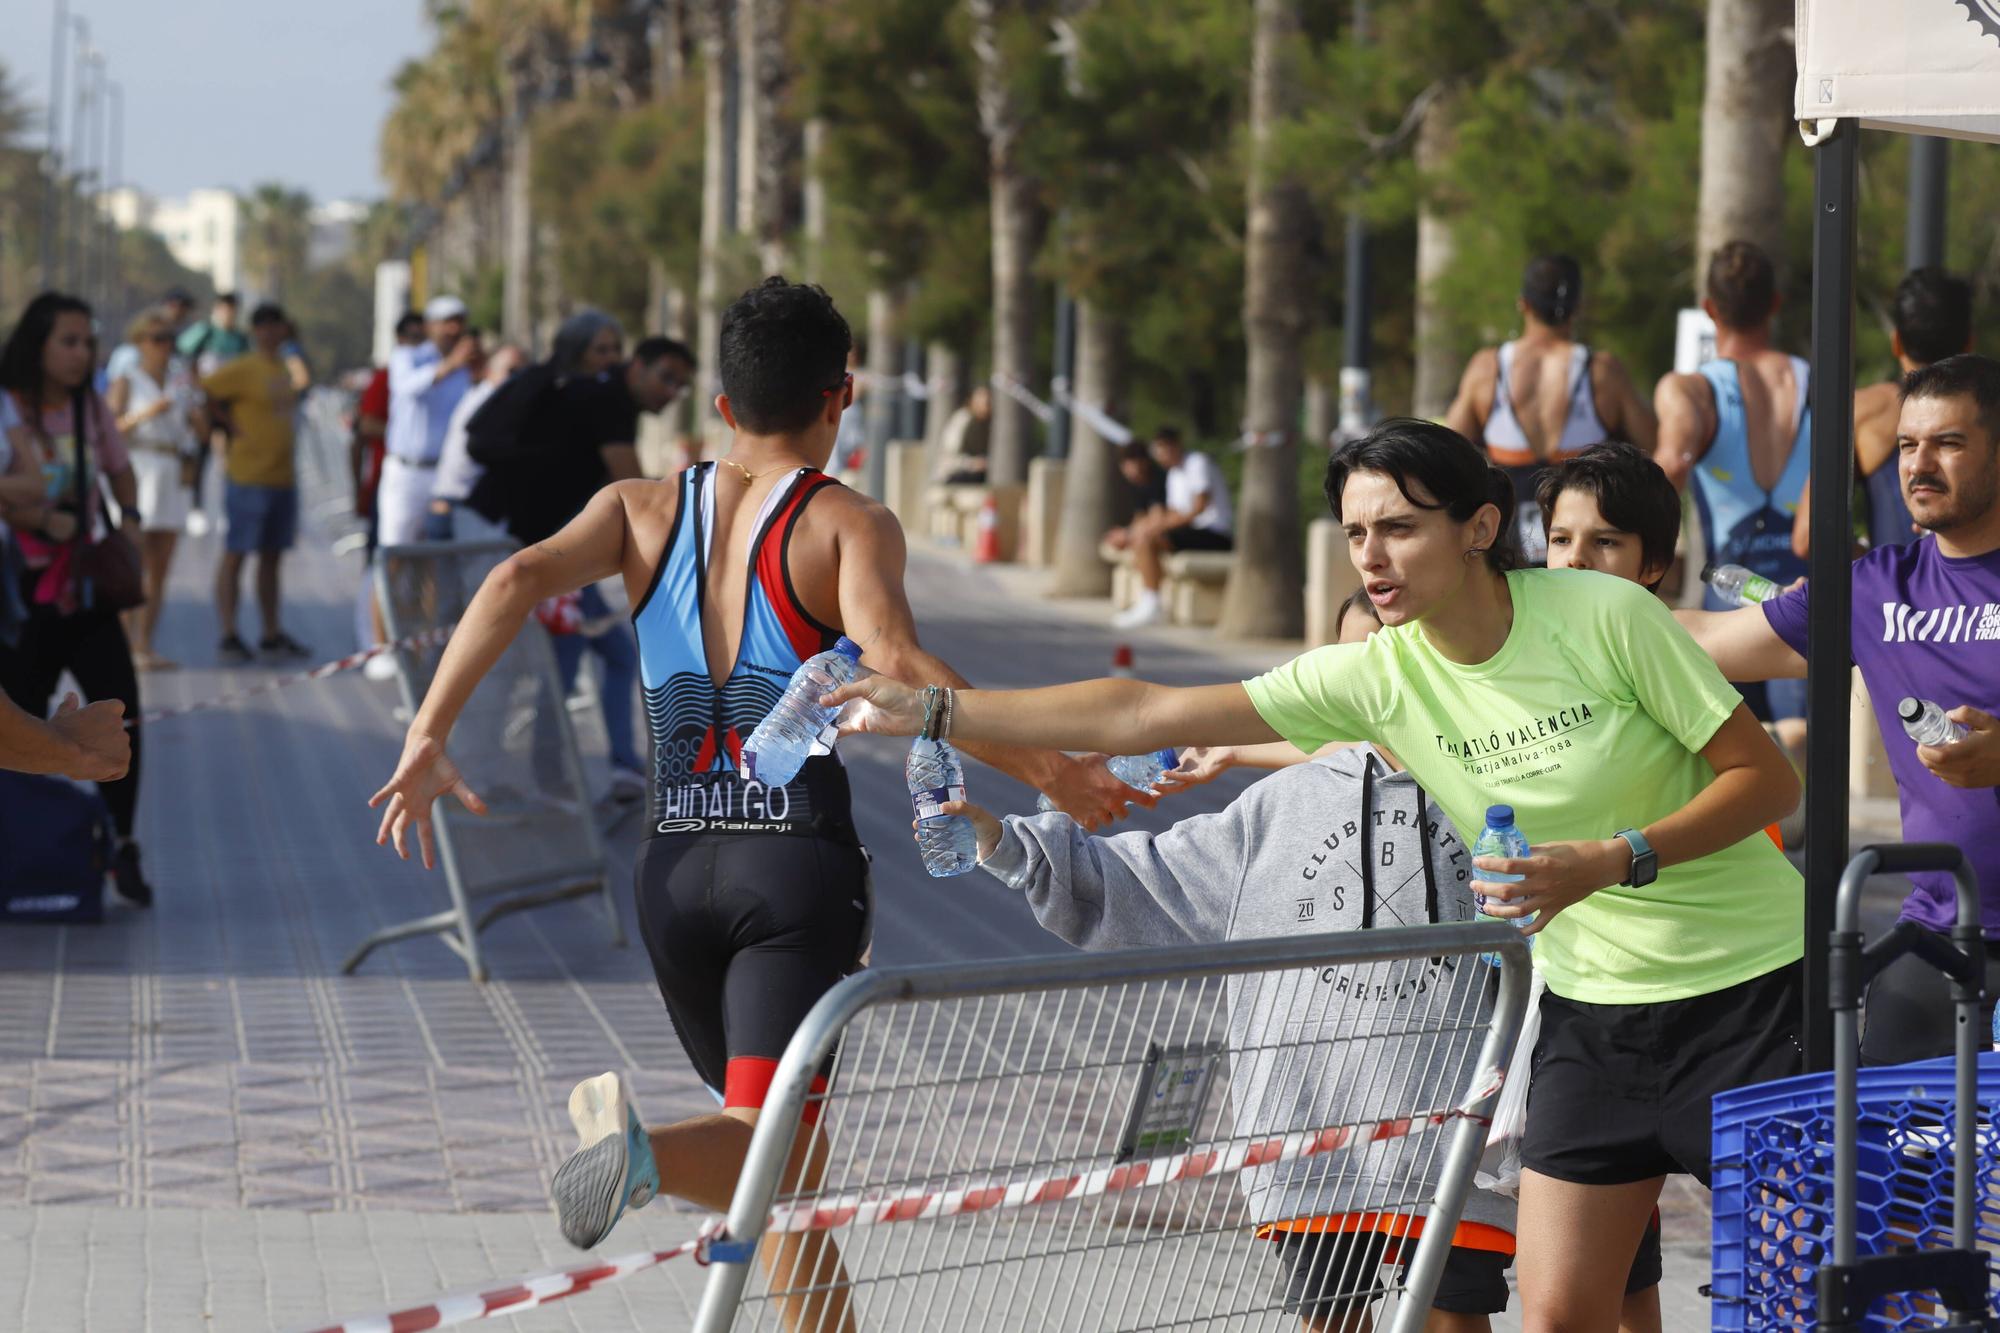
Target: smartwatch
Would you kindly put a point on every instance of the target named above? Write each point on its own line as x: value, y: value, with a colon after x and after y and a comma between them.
x: 1645, y: 861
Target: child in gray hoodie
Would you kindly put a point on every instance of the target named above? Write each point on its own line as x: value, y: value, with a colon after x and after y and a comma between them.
x: 1344, y: 842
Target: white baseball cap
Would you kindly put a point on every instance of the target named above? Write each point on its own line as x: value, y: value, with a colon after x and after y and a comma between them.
x: 444, y: 307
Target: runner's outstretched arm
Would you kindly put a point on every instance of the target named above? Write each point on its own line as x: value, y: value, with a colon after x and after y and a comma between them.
x: 588, y: 549
x: 876, y: 613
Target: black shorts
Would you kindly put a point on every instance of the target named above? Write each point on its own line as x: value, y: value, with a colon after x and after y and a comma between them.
x: 1909, y: 1014
x: 746, y: 932
x: 1620, y: 1092
x: 1333, y: 1272
x: 1199, y: 539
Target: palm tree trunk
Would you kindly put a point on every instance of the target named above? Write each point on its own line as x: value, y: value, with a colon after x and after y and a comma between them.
x: 1265, y: 597
x: 1437, y: 355
x: 1018, y: 220
x: 944, y: 379
x: 1091, y: 485
x: 718, y: 194
x: 814, y: 202
x: 1746, y: 118
x: 885, y: 368
x: 517, y: 318
x: 763, y: 145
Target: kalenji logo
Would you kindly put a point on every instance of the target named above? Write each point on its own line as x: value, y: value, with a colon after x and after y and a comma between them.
x: 1903, y: 623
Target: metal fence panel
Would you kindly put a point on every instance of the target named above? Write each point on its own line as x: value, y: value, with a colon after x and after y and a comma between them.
x: 538, y: 842
x: 1104, y: 1142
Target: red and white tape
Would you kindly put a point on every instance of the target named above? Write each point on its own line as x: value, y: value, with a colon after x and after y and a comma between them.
x: 524, y: 1294
x: 333, y: 668
x: 855, y: 1210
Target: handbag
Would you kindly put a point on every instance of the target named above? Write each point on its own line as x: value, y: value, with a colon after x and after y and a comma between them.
x: 108, y: 572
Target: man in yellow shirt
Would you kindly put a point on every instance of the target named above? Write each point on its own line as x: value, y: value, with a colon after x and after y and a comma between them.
x: 262, y: 499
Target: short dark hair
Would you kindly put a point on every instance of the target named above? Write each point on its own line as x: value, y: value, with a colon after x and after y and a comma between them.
x: 1171, y: 434
x: 225, y: 298
x: 1932, y: 313
x: 783, y: 347
x: 659, y: 348
x: 407, y: 321
x: 1358, y: 600
x: 1964, y: 374
x: 1743, y: 283
x: 1552, y: 286
x: 1633, y: 493
x: 267, y: 313
x: 1458, y: 477
x: 21, y: 358
x: 1133, y: 451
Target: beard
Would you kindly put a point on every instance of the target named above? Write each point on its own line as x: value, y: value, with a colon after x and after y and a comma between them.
x: 1968, y: 503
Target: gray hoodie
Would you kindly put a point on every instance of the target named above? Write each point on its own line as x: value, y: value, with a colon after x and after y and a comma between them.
x: 1329, y: 845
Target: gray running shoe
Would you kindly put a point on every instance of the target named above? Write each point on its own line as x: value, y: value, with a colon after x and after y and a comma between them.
x: 612, y: 1168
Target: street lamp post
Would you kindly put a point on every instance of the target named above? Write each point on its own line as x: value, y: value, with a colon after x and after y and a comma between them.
x: 79, y: 151
x: 107, y: 225
x: 52, y: 168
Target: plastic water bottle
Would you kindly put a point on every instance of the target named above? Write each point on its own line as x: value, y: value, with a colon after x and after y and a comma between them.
x: 948, y: 843
x: 1143, y: 771
x: 1738, y: 585
x: 1499, y: 838
x: 778, y: 748
x: 1926, y: 724
x: 1996, y: 1029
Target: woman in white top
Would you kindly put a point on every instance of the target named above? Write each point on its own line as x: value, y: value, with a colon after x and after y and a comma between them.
x: 155, y: 403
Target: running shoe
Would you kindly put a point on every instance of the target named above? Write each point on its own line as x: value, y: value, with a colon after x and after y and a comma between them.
x: 612, y: 1168
x: 234, y: 652
x: 283, y: 647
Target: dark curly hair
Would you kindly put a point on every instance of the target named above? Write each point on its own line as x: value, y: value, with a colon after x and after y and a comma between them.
x: 1459, y: 480
x: 784, y: 345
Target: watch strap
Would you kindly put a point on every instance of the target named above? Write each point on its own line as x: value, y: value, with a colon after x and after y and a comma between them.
x: 1643, y: 855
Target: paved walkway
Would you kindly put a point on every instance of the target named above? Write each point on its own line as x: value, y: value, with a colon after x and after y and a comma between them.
x: 203, y: 1125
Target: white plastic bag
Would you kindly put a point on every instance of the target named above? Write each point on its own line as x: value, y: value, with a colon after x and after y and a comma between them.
x: 1500, y: 1165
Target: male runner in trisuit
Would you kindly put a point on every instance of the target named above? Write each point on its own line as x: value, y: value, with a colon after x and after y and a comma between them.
x: 752, y: 902
x: 1545, y: 396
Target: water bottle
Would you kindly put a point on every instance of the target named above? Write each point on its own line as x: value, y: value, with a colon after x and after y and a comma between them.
x: 1499, y: 838
x: 778, y: 748
x: 1926, y: 724
x: 948, y: 843
x: 1143, y: 771
x: 1739, y: 586
x: 1996, y: 1029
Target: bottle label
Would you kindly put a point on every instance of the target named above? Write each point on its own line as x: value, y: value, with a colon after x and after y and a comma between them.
x: 1757, y: 588
x: 931, y: 800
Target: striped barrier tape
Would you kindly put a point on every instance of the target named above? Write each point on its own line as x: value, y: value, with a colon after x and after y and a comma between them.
x: 1025, y: 396
x: 525, y: 1294
x: 335, y: 667
x: 1099, y: 420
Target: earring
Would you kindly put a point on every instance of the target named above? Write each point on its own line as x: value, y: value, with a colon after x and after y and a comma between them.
x: 1475, y: 553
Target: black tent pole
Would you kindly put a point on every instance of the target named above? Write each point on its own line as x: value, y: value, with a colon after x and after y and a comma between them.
x: 1828, y: 649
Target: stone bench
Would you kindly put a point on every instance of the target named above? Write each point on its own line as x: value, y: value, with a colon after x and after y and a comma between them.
x: 1192, y: 588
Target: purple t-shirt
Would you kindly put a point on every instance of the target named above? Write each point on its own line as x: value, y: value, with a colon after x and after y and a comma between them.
x: 1926, y: 625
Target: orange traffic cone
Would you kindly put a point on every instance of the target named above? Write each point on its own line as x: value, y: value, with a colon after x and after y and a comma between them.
x: 1121, y: 661
x: 986, y: 547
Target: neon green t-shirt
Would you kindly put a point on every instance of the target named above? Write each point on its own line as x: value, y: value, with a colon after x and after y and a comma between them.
x: 1588, y: 720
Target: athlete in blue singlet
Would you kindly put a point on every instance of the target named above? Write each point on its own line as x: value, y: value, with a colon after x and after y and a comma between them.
x: 752, y: 900
x: 1737, y: 427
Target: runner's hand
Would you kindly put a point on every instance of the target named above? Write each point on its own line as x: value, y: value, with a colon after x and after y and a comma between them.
x: 886, y: 707
x: 104, y: 746
x: 1200, y: 764
x: 1554, y: 876
x: 424, y: 774
x: 1091, y: 794
x: 984, y: 826
x: 1972, y: 762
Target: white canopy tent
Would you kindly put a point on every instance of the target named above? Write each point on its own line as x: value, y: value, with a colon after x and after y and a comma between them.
x: 1916, y: 66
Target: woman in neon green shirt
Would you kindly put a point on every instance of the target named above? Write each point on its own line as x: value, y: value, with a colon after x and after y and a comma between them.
x: 1670, y: 928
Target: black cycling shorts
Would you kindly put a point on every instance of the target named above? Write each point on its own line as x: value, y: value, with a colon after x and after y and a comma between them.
x: 1909, y: 1014
x: 746, y: 932
x: 1621, y: 1092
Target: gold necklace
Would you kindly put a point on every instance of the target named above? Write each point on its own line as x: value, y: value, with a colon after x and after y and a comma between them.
x: 750, y: 477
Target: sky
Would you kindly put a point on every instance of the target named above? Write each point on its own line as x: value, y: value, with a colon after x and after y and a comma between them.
x: 233, y: 93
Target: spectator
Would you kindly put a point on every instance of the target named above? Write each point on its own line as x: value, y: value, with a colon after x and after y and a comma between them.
x: 174, y: 307
x: 262, y: 494
x: 1146, y: 484
x: 365, y: 459
x: 207, y: 346
x: 1196, y: 517
x: 156, y: 404
x: 1932, y: 315
x: 73, y: 441
x: 1669, y: 927
x: 963, y: 443
x: 425, y: 384
x: 1738, y: 426
x: 1924, y: 626
x: 1545, y: 396
x: 451, y: 517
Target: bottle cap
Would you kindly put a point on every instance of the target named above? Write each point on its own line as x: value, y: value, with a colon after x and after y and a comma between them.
x: 1499, y: 816
x: 1708, y: 572
x: 847, y: 648
x: 1910, y: 709
x: 1168, y: 759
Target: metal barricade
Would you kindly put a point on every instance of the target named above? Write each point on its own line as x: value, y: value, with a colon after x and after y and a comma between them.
x: 1196, y: 1137
x: 538, y: 842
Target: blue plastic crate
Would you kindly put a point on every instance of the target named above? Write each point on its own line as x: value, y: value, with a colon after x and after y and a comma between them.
x: 1773, y: 1204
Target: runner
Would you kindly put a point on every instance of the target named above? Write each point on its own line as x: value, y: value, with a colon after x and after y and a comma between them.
x: 1670, y: 926
x: 1932, y: 318
x: 1925, y: 625
x: 737, y: 570
x: 1545, y: 396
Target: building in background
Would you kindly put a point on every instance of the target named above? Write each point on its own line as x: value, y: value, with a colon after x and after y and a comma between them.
x: 203, y: 230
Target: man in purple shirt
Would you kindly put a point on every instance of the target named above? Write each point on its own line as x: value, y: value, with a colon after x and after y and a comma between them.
x: 1926, y: 625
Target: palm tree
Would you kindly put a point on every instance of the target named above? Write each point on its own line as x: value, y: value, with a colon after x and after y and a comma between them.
x: 1746, y: 116
x: 277, y: 238
x: 1265, y: 594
